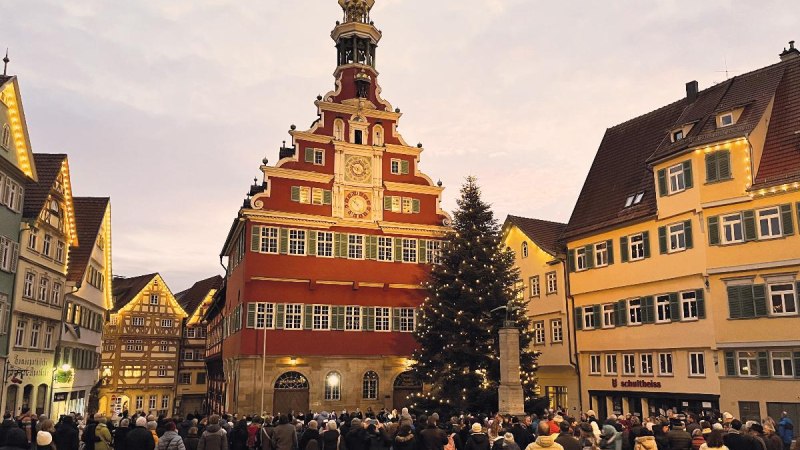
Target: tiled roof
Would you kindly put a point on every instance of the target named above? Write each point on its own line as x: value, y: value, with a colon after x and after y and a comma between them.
x: 126, y: 289
x: 89, y: 214
x: 48, y: 166
x: 543, y: 233
x: 191, y: 298
x: 620, y: 170
x: 780, y: 160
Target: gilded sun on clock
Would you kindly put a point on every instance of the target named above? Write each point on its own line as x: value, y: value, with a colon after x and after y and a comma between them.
x: 357, y: 169
x: 357, y: 205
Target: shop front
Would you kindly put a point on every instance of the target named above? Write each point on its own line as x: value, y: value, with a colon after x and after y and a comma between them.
x: 646, y: 403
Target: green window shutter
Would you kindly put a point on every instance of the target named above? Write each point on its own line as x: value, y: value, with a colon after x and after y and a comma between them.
x: 404, y: 167
x: 311, y: 248
x: 578, y: 315
x: 395, y: 319
x: 687, y: 230
x: 734, y: 302
x: 662, y: 182
x: 308, y: 317
x: 295, y: 193
x: 760, y: 300
x: 662, y: 240
x: 688, y: 179
x: 598, y: 316
x: 713, y: 230
x: 387, y: 203
x: 646, y: 242
x: 796, y: 357
x: 255, y: 238
x: 372, y: 247
x: 309, y: 155
x: 589, y: 249
x: 284, y: 240
x: 674, y: 307
x: 786, y: 220
x: 749, y: 219
x: 763, y: 365
x: 344, y: 239
x: 648, y: 310
x: 622, y: 313
x: 711, y: 167
x: 422, y: 254
x: 746, y: 295
x: 279, y: 316
x: 623, y: 248
x: 730, y: 364
x: 398, y: 249
x: 724, y: 164
x: 610, y: 248
x: 368, y: 314
x: 251, y: 315
x: 415, y: 206
x: 699, y: 294
x: 571, y: 260
x: 327, y: 197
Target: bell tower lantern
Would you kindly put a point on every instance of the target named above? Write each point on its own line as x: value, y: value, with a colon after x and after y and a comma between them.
x: 356, y: 37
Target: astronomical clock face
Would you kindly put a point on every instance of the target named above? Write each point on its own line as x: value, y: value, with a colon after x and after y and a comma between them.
x: 357, y: 205
x: 357, y: 169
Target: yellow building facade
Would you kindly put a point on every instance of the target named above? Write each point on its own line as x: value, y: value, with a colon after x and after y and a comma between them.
x: 684, y: 254
x: 543, y: 275
x: 142, y: 340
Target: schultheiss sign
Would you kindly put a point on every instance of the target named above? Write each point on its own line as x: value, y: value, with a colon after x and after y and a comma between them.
x: 636, y: 384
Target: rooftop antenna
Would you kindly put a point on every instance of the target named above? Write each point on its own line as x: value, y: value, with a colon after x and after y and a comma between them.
x: 5, y: 63
x: 726, y: 71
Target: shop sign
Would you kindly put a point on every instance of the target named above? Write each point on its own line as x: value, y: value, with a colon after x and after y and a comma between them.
x: 636, y: 384
x: 60, y: 397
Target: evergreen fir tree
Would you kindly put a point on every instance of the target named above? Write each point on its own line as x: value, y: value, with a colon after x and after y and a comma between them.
x: 458, y: 326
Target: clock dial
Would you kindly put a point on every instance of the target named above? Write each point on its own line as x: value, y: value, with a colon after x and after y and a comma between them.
x: 357, y: 169
x: 357, y: 205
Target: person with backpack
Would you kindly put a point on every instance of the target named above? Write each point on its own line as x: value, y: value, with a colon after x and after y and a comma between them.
x: 102, y: 435
x: 786, y: 430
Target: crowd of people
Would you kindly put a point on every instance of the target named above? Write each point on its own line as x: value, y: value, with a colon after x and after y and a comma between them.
x: 394, y: 430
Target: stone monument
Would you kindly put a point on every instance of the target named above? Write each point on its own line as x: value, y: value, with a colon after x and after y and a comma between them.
x: 511, y: 398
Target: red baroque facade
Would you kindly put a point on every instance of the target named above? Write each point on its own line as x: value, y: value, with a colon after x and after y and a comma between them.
x: 326, y: 257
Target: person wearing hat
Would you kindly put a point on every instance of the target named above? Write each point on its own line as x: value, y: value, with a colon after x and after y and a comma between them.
x: 697, y: 438
x: 478, y: 440
x: 44, y: 440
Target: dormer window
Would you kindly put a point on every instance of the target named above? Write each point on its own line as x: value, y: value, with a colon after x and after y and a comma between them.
x: 726, y: 120
x: 634, y: 199
x: 677, y: 135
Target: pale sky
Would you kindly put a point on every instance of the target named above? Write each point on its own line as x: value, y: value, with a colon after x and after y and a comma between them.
x: 168, y: 106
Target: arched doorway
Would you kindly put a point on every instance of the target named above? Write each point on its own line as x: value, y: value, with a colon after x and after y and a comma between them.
x: 41, y: 398
x: 405, y: 384
x: 11, y: 399
x: 27, y: 396
x: 291, y: 393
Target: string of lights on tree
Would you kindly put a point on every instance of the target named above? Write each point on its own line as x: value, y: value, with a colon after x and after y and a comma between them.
x: 458, y: 325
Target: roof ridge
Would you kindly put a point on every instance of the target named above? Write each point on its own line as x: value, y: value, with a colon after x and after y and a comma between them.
x: 539, y: 220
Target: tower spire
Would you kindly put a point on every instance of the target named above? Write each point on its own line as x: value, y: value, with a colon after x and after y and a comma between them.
x: 356, y: 38
x: 5, y: 63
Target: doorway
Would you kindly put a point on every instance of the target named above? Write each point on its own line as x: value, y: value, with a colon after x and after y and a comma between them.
x: 291, y: 393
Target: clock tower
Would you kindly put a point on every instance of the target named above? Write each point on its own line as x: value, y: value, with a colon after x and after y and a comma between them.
x: 326, y: 256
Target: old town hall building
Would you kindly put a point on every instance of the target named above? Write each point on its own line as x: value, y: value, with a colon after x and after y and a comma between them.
x: 326, y: 257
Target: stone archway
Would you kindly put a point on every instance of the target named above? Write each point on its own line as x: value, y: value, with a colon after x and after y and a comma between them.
x: 291, y: 393
x: 405, y: 384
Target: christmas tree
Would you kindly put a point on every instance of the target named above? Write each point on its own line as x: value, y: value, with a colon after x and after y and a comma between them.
x: 471, y: 293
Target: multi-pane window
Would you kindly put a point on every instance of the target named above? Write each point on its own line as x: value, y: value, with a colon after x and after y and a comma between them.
x: 139, y: 402
x: 294, y: 316
x: 628, y: 364
x: 47, y: 244
x: 406, y: 319
x: 646, y: 360
x: 410, y: 250
x: 44, y: 286
x: 395, y: 166
x: 769, y: 223
x: 319, y: 157
x: 60, y: 251
x: 747, y: 363
x: 355, y: 246
x: 519, y: 290
x: 31, y: 237
x: 535, y: 289
x: 782, y: 299
x: 697, y: 364
x: 677, y: 237
x: 689, y: 305
x: 297, y: 242
x: 611, y: 363
x: 19, y: 336
x: 166, y: 323
x: 732, y: 231
x: 408, y: 207
x: 538, y: 332
x: 27, y: 288
x: 663, y: 313
x: 151, y: 402
x: 154, y: 300
x: 265, y: 315
x: 782, y: 364
x: 333, y: 386
x: 608, y: 315
x: 188, y: 355
x: 321, y: 317
x: 594, y: 364
x: 601, y: 254
x: 677, y: 180
x: 352, y: 318
x: 163, y: 346
x: 137, y: 321
x: 269, y: 240
x: 635, y: 311
x: 552, y: 283
x: 164, y: 401
x: 382, y: 318
x: 48, y: 338
x: 35, y: 329
x: 325, y: 244
x: 636, y: 247
x: 524, y: 250
x: 433, y: 251
x: 556, y: 330
x: 55, y: 294
x: 5, y: 314
x: 369, y: 388
x: 665, y: 363
x: 580, y: 259
x: 162, y: 371
x: 588, y: 318
x: 185, y: 378
x: 384, y: 248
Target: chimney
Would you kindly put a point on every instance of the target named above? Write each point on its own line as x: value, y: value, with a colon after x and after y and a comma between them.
x: 691, y: 91
x: 789, y: 53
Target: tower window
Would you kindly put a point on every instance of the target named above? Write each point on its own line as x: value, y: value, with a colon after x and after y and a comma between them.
x: 359, y: 137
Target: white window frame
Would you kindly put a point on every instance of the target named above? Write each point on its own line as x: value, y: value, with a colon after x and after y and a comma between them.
x: 771, y: 217
x: 433, y: 251
x: 394, y: 166
x: 47, y: 244
x: 697, y: 361
x: 60, y: 251
x: 787, y: 297
x: 321, y: 317
x: 634, y: 317
x: 662, y: 309
x: 629, y: 364
x: 535, y: 287
x: 556, y: 331
x: 297, y: 242
x: 722, y: 118
x: 676, y: 238
x: 355, y: 246
x: 609, y: 315
x: 139, y: 402
x: 319, y: 157
x: 333, y: 391
x: 676, y: 179
x: 55, y: 294
x: 269, y: 240
x: 538, y: 332
x: 154, y: 299
x: 636, y: 246
x: 611, y: 364
x: 383, y: 318
x: 750, y: 360
x: 20, y: 332
x: 352, y: 318
x: 325, y: 244
x: 677, y: 135
x: 732, y: 224
x: 43, y: 289
x: 688, y: 300
x: 665, y: 364
x: 580, y: 259
x: 601, y: 254
x: 588, y: 319
x: 646, y: 364
x: 385, y: 248
x: 407, y: 320
x: 166, y: 323
x: 151, y: 402
x: 28, y: 289
x: 552, y: 282
x: 293, y: 316
x: 36, y: 328
x: 595, y: 362
x: 524, y: 249
x: 137, y: 321
x: 409, y: 247
x: 785, y: 361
